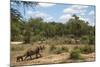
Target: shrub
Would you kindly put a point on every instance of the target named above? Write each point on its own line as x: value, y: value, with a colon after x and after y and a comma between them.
x: 52, y: 47
x: 60, y: 50
x: 76, y: 47
x: 36, y: 38
x: 57, y: 51
x: 64, y: 49
x: 88, y: 39
x: 92, y: 40
x: 87, y: 49
x: 75, y: 54
x: 85, y: 39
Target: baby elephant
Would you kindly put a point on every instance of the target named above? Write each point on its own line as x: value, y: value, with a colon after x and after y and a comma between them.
x: 19, y: 58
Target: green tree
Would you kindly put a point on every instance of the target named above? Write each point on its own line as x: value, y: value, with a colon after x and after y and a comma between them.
x: 76, y: 26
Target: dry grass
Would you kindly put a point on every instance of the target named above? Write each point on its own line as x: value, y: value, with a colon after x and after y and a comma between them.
x: 48, y: 58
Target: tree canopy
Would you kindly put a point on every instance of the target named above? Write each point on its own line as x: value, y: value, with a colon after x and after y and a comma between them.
x: 36, y: 29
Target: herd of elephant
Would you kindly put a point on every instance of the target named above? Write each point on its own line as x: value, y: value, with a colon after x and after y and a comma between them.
x: 30, y: 52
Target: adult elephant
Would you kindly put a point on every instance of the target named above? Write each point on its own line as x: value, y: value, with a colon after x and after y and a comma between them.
x: 36, y: 51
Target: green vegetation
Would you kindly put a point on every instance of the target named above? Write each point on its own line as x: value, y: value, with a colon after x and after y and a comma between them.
x: 64, y: 49
x: 57, y: 50
x: 75, y: 37
x: 36, y: 29
x: 87, y: 49
x: 75, y: 54
x: 52, y: 47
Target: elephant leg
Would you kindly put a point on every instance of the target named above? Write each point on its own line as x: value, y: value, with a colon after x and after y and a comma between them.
x: 36, y: 55
x: 25, y: 57
x: 31, y: 57
x: 39, y: 55
x: 22, y: 58
x: 17, y: 60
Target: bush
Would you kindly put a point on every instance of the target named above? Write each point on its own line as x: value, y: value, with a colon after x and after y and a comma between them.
x: 76, y: 47
x: 36, y: 38
x: 52, y: 47
x: 87, y: 49
x: 55, y: 50
x: 85, y: 39
x: 88, y: 39
x: 75, y: 54
x: 92, y: 40
x: 64, y: 49
x: 60, y: 50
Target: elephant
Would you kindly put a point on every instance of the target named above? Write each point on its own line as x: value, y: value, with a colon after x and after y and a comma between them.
x: 36, y: 51
x: 19, y: 58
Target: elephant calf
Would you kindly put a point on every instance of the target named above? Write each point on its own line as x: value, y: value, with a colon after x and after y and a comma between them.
x: 19, y: 58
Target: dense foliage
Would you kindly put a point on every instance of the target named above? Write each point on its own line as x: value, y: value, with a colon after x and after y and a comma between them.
x: 36, y: 29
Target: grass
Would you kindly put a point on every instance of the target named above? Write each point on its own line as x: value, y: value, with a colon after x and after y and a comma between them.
x: 68, y: 53
x: 58, y: 50
x: 17, y: 48
x: 87, y: 49
x: 21, y: 47
x: 54, y: 49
